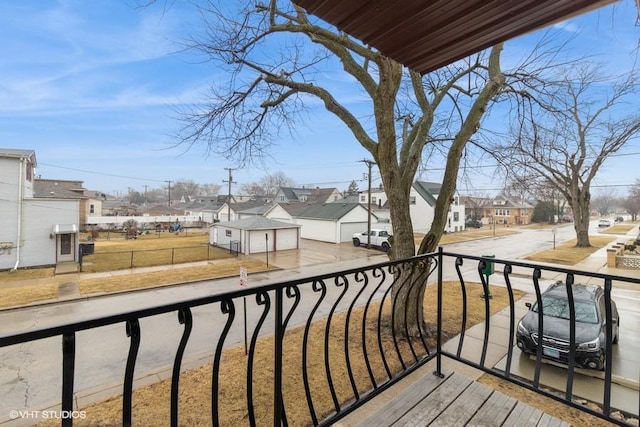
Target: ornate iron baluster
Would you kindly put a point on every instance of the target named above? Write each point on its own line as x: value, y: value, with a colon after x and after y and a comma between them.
x: 133, y: 331
x: 185, y: 318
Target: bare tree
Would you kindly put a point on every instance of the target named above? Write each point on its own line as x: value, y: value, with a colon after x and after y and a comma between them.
x: 185, y: 189
x: 567, y: 129
x: 275, y: 55
x: 268, y: 185
x: 632, y: 202
x: 210, y: 189
x: 605, y: 200
x: 274, y: 181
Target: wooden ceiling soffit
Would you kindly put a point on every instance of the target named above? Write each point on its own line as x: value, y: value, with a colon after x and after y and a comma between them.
x: 427, y: 35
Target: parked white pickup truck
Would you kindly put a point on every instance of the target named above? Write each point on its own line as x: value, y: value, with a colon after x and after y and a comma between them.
x: 379, y: 238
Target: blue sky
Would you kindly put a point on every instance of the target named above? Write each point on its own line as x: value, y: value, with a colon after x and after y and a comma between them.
x: 93, y: 87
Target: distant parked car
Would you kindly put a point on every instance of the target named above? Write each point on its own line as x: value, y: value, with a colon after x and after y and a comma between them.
x: 619, y: 219
x: 604, y: 223
x: 590, y: 321
x: 567, y: 218
x: 473, y: 223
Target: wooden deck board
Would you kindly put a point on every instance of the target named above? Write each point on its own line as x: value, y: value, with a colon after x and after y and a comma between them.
x: 437, y: 401
x: 494, y: 411
x: 523, y: 415
x: 455, y: 400
x: 464, y: 407
x: 411, y: 396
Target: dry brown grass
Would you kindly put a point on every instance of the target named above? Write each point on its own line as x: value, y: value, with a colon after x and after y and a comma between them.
x: 151, y: 403
x: 149, y: 251
x: 618, y: 229
x: 468, y: 234
x: 568, y: 254
x: 21, y: 295
x: 26, y: 274
x: 127, y: 282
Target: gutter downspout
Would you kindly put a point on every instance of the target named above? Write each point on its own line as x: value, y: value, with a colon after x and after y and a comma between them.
x: 20, y: 209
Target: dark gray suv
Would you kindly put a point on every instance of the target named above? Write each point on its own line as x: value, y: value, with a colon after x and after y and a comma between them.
x: 590, y: 325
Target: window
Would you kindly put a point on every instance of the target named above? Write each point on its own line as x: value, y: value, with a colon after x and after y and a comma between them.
x: 303, y: 198
x: 412, y: 200
x: 363, y: 198
x: 227, y: 233
x: 456, y: 216
x: 502, y: 212
x: 92, y: 208
x: 373, y: 199
x: 282, y: 197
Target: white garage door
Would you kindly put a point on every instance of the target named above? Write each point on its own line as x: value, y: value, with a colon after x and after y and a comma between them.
x: 347, y: 230
x: 286, y: 238
x: 258, y: 242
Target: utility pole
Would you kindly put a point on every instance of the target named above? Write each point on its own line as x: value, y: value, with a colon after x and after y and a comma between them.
x: 145, y: 195
x: 169, y: 188
x: 230, y: 181
x: 369, y: 164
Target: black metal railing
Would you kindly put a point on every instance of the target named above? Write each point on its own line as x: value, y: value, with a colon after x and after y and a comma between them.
x: 325, y: 344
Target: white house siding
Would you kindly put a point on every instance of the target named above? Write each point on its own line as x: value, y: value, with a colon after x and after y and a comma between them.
x: 278, y: 214
x: 322, y: 230
x: 421, y: 213
x: 9, y: 206
x: 40, y: 216
x: 453, y: 225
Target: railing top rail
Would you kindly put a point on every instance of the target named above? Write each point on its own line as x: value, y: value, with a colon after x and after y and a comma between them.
x: 546, y: 267
x: 56, y: 330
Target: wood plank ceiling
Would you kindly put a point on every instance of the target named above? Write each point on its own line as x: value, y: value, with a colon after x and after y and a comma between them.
x: 428, y: 34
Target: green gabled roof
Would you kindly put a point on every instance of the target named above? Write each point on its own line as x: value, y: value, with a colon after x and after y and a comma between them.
x: 328, y: 211
x: 427, y: 190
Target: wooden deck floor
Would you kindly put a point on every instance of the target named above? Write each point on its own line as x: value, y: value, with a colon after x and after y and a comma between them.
x: 455, y: 400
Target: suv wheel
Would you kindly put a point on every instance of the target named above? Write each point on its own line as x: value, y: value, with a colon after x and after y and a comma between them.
x: 356, y: 242
x: 385, y: 247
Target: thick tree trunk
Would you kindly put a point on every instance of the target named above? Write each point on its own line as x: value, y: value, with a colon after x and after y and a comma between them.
x: 579, y: 202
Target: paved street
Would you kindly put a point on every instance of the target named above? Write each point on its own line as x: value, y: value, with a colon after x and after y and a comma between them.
x: 30, y: 373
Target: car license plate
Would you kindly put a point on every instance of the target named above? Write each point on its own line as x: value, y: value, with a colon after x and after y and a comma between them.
x: 551, y: 352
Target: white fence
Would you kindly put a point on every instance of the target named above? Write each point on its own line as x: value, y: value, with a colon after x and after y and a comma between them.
x: 148, y: 221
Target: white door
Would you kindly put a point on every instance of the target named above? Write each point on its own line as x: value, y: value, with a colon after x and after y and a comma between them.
x: 66, y: 247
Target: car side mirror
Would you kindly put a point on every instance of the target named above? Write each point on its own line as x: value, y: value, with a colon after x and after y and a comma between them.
x: 528, y: 305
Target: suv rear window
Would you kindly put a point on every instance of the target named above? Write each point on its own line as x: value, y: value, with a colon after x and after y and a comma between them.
x: 586, y: 311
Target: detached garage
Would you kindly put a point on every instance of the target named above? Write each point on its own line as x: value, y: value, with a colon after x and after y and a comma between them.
x: 255, y: 235
x: 333, y: 222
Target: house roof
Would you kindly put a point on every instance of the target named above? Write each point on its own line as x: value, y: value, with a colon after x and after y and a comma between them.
x: 18, y: 154
x: 428, y: 190
x: 317, y: 195
x: 256, y: 223
x: 425, y: 36
x: 58, y: 189
x: 329, y: 211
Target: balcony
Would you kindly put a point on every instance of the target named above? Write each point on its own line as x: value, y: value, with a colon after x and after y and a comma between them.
x: 326, y: 350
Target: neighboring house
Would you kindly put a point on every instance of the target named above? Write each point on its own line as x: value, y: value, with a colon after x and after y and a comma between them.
x: 379, y: 203
x: 422, y: 203
x: 255, y: 235
x: 475, y: 207
x: 251, y: 208
x: 508, y: 211
x: 286, y: 212
x: 333, y: 222
x: 307, y: 195
x: 39, y: 219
